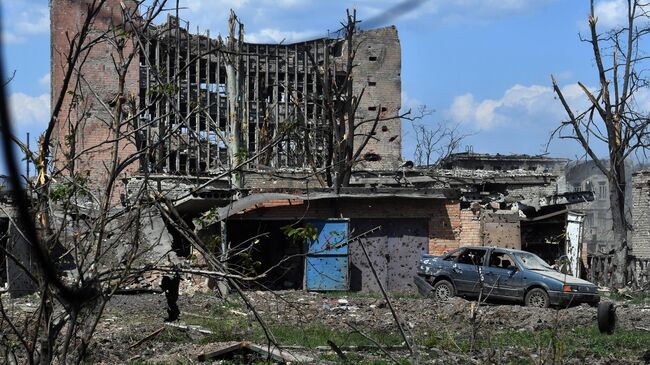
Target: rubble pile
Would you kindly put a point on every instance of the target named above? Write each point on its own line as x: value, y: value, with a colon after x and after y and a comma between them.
x: 440, y: 329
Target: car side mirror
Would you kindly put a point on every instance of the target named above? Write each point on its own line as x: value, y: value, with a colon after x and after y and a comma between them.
x: 512, y: 268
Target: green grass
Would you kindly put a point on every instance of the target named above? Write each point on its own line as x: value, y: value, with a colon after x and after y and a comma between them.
x: 445, y: 340
x: 636, y: 298
x: 227, y: 326
x: 580, y: 341
x: 354, y: 358
x: 313, y: 335
x: 173, y: 335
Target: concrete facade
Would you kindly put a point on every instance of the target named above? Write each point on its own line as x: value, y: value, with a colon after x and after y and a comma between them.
x: 640, y: 242
x: 586, y: 176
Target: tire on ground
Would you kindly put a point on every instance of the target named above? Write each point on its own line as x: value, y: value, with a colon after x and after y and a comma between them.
x: 606, y: 317
x: 443, y: 290
x: 537, y: 297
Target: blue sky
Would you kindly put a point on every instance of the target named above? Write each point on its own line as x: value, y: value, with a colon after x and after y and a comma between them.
x: 482, y: 64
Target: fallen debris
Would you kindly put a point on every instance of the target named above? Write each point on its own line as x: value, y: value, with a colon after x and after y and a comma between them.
x: 229, y: 349
x: 148, y: 337
x: 190, y: 328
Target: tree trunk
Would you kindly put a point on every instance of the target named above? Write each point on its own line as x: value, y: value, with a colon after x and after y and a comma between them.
x: 619, y: 221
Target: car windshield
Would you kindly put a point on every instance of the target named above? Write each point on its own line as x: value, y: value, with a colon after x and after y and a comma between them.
x: 532, y: 261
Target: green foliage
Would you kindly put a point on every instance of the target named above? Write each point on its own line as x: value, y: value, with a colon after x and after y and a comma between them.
x: 206, y: 217
x: 65, y: 190
x: 213, y: 243
x: 160, y: 90
x: 299, y: 235
x: 241, y: 155
x: 249, y: 266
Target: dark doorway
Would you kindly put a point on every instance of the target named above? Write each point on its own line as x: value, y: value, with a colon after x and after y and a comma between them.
x: 260, y: 246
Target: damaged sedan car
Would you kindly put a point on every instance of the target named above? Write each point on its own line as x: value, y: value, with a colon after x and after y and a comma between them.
x: 504, y: 274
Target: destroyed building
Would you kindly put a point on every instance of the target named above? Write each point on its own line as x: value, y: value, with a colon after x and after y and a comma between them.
x: 586, y: 176
x: 515, y: 201
x: 178, y: 88
x: 189, y: 129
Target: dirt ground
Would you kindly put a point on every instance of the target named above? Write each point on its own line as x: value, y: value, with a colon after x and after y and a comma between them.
x: 303, y: 323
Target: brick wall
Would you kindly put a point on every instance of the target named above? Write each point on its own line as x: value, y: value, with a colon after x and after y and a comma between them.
x: 86, y: 111
x: 470, y: 234
x: 641, y: 214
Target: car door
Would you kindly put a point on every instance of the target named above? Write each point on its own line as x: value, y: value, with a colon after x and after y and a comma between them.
x: 502, y: 277
x: 467, y: 269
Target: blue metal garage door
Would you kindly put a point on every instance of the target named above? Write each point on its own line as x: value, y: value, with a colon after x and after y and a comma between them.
x: 326, y: 263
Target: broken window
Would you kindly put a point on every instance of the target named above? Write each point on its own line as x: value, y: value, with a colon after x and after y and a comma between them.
x: 453, y: 255
x: 501, y: 260
x: 471, y: 256
x: 602, y: 190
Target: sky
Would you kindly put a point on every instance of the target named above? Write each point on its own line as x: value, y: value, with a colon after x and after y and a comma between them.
x: 481, y: 65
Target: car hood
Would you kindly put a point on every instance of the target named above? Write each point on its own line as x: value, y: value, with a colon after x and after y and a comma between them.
x: 567, y: 279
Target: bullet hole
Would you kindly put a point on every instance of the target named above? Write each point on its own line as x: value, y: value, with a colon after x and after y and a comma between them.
x: 372, y: 108
x: 372, y: 83
x: 372, y: 58
x: 371, y: 157
x: 384, y: 128
x: 392, y: 138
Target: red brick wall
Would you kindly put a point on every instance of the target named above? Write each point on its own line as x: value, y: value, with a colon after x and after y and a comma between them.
x: 88, y: 112
x: 470, y: 234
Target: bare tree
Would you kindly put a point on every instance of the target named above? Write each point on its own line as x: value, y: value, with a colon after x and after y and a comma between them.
x: 434, y: 144
x: 613, y: 116
x: 347, y: 135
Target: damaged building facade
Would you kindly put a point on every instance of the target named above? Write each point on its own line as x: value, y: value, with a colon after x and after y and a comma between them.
x: 178, y: 87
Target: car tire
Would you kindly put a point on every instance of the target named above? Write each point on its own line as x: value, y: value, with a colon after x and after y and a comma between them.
x: 606, y: 317
x: 537, y: 297
x: 443, y: 290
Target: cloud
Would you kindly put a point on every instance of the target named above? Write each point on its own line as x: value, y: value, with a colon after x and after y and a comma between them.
x: 22, y: 21
x: 458, y: 11
x: 611, y: 13
x: 518, y: 106
x: 411, y: 103
x: 45, y: 80
x: 34, y: 21
x: 27, y: 110
x: 270, y: 35
x: 11, y: 38
x: 222, y: 5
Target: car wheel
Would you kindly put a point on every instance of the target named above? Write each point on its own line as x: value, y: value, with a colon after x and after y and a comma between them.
x: 537, y: 297
x: 606, y: 317
x: 443, y: 290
